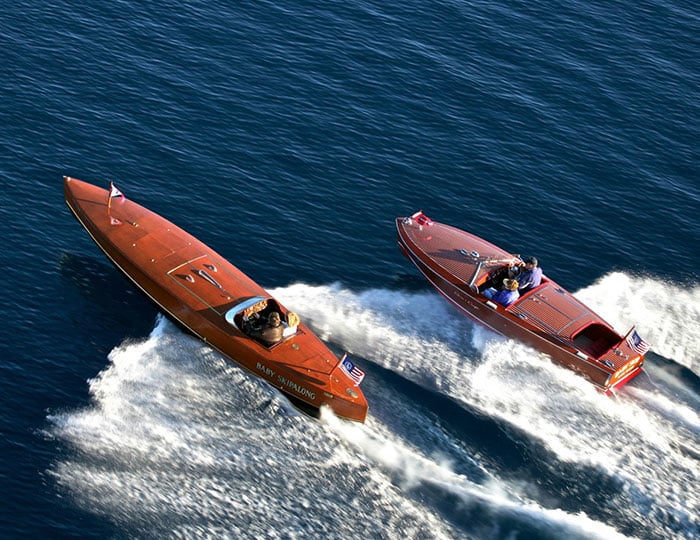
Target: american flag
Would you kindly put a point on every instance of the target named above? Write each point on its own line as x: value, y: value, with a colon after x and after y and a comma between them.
x: 636, y: 343
x: 351, y: 370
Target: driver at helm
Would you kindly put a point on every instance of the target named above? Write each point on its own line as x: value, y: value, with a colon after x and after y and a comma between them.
x: 528, y: 274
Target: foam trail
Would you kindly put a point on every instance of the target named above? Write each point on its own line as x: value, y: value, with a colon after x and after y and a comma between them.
x: 626, y: 438
x: 665, y: 314
x: 391, y: 327
x: 179, y: 442
x: 492, y: 497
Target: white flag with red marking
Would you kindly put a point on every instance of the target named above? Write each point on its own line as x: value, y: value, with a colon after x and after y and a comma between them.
x: 114, y: 193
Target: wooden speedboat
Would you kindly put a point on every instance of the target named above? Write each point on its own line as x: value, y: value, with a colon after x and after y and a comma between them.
x: 462, y: 266
x: 216, y: 301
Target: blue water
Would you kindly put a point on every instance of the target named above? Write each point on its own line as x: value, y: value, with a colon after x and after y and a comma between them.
x: 288, y: 136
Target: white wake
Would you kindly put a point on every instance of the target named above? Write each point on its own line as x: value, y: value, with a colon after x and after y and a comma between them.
x: 176, y: 441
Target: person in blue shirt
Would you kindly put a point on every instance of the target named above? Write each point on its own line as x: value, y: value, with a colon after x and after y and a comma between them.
x: 529, y: 275
x: 505, y: 296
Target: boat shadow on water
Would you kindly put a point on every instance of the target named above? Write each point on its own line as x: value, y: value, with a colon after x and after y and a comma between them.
x: 408, y: 282
x: 109, y: 301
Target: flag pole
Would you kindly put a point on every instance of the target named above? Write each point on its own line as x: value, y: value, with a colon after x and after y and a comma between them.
x: 624, y: 339
x: 109, y: 200
x: 113, y: 192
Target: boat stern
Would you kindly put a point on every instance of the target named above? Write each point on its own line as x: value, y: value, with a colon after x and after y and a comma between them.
x: 633, y: 350
x: 353, y: 407
x: 346, y: 399
x: 625, y: 373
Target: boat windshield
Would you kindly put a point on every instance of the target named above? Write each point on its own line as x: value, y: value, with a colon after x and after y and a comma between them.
x: 247, y: 307
x: 489, y: 267
x: 260, y: 308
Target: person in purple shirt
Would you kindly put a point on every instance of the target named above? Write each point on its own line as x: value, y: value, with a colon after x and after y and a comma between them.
x: 529, y: 276
x: 505, y: 296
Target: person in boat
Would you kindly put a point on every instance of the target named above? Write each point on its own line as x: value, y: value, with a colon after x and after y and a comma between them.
x: 505, y: 296
x: 528, y: 274
x: 269, y: 332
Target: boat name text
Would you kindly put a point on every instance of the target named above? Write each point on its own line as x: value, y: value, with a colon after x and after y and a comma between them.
x: 302, y: 391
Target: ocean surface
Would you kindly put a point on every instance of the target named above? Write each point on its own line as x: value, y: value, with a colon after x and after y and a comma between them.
x: 288, y: 136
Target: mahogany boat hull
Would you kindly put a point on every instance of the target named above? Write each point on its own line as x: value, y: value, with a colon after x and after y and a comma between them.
x: 210, y: 297
x: 460, y: 266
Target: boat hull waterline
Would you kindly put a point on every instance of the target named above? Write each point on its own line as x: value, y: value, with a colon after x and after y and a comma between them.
x: 461, y: 266
x: 212, y: 298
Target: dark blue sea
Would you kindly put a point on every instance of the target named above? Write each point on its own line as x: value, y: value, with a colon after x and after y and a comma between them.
x: 288, y: 136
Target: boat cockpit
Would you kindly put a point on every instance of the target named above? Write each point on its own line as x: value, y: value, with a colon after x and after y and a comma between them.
x: 491, y: 271
x: 259, y: 308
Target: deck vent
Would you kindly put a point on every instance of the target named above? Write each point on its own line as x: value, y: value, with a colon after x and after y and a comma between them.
x: 473, y: 254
